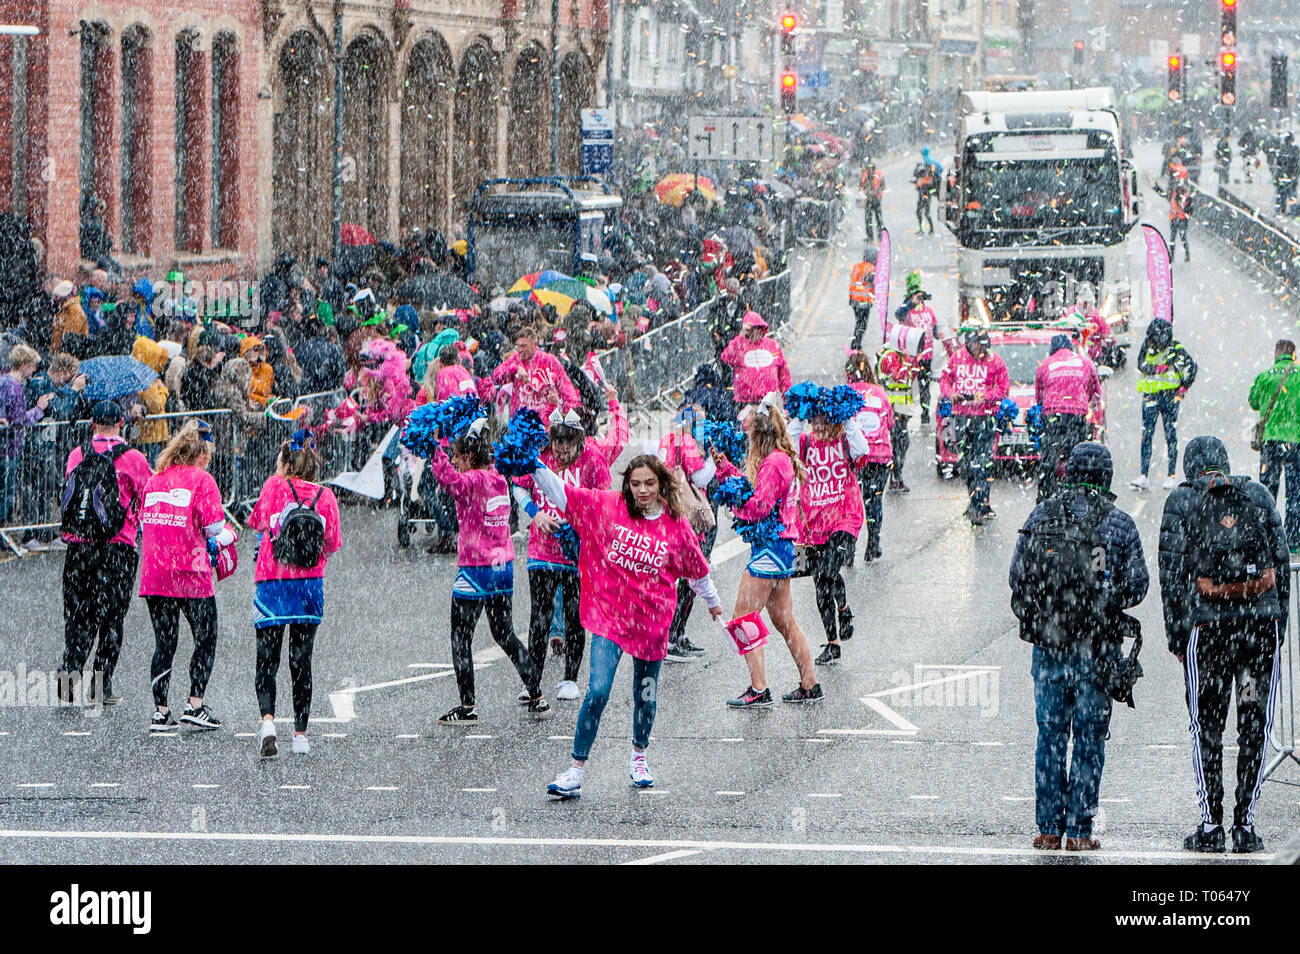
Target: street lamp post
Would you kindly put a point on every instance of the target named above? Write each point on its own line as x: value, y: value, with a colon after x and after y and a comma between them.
x: 336, y: 210
x: 555, y: 87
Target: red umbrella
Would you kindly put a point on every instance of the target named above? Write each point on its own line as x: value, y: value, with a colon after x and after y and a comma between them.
x: 352, y: 234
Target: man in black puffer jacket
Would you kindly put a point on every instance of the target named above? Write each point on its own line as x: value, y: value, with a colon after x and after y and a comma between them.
x: 1221, y: 637
x: 1069, y: 692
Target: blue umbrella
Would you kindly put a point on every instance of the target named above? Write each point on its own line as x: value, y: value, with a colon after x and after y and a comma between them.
x: 112, y: 376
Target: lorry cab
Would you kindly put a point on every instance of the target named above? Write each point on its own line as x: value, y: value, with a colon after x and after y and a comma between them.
x: 517, y: 226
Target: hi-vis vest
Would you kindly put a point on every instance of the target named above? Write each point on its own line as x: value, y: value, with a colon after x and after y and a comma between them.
x: 898, y: 392
x: 1166, y: 381
x: 862, y: 282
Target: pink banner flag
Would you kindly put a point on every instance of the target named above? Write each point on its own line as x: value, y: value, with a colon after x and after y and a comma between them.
x: 881, y: 286
x: 1159, y: 274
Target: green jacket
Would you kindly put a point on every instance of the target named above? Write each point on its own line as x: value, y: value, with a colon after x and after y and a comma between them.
x: 1284, y: 423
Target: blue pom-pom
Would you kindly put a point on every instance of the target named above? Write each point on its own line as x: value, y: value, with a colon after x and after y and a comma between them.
x: 839, y: 404
x: 567, y: 537
x: 421, y: 432
x: 450, y: 419
x: 727, y: 437
x: 760, y: 533
x: 733, y: 492
x: 1007, y: 412
x: 944, y: 409
x: 803, y: 400
x: 1034, y: 416
x: 515, y: 455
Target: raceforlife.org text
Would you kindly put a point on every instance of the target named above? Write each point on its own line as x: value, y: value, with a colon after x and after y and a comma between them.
x: 78, y: 907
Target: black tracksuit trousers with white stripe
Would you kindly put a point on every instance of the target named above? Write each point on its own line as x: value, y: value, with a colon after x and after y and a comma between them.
x: 1219, y: 655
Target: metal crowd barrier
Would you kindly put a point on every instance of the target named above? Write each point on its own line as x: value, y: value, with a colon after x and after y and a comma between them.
x: 1243, y: 227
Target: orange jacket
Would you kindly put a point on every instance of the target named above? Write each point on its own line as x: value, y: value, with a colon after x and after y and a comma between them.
x: 862, y: 282
x: 873, y: 184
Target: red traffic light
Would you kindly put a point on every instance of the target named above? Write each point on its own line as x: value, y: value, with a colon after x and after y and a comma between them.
x: 1078, y: 46
x: 788, y: 22
x: 1229, y: 3
x: 1229, y: 61
x: 788, y: 80
x: 1175, y: 62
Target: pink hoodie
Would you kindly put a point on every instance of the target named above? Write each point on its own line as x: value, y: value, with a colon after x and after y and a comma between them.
x: 454, y: 381
x: 987, y: 379
x: 1066, y: 383
x: 760, y: 367
x: 589, y: 471
x: 775, y: 484
x: 630, y: 567
x: 483, y: 510
x: 876, y: 419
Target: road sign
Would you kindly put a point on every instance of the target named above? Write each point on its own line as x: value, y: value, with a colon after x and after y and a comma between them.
x: 730, y: 138
x: 597, y: 141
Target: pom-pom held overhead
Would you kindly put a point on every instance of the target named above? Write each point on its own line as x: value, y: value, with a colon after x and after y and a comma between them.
x: 727, y: 437
x: 802, y: 399
x: 516, y: 452
x: 733, y: 492
x: 450, y: 419
x: 839, y: 404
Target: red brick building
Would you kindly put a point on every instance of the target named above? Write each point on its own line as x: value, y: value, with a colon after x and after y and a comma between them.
x: 206, y: 126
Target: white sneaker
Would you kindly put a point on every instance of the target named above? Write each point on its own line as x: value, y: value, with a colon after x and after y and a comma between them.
x: 1170, y: 483
x: 639, y: 771
x: 568, y: 691
x: 568, y: 784
x: 300, y: 744
x: 37, y: 546
x: 524, y: 697
x: 1140, y: 482
x: 266, y: 740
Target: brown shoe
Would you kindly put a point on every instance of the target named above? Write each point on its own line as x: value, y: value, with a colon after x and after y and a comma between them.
x: 1047, y: 842
x: 1082, y: 844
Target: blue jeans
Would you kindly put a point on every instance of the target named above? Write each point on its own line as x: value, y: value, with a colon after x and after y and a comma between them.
x: 1162, y: 405
x: 1278, y: 458
x: 605, y: 654
x: 8, y: 477
x: 1069, y: 701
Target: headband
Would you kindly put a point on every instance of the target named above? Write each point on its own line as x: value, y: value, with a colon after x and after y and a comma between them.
x: 302, y: 438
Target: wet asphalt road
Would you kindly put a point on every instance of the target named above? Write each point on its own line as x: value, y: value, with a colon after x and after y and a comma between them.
x: 929, y: 775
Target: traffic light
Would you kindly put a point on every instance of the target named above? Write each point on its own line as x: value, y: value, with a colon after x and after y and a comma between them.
x: 1228, y: 78
x: 789, y: 92
x: 788, y: 24
x: 1078, y: 52
x: 1175, y: 79
x: 1229, y: 22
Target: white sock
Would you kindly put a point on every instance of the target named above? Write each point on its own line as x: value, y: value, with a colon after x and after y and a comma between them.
x: 637, y: 755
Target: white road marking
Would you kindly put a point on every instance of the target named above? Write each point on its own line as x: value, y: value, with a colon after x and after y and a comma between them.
x: 728, y: 793
x: 1115, y: 801
x: 428, y: 666
x: 977, y: 671
x: 169, y: 735
x: 560, y: 738
x: 205, y: 785
x: 77, y: 732
x: 654, y: 791
x: 923, y: 797
x: 731, y: 740
x: 334, y: 735
x: 35, y: 784
x: 905, y: 741
x: 245, y: 735
x: 105, y: 784
x: 6, y: 732
x: 343, y: 701
x: 296, y: 788
x: 484, y: 790
x: 823, y: 741
x: 824, y: 795
x: 1161, y: 745
x: 340, y: 838
x: 728, y: 551
x: 408, y: 735
x: 382, y: 788
x: 988, y: 743
x: 1017, y: 798
x: 478, y: 736
x: 666, y: 856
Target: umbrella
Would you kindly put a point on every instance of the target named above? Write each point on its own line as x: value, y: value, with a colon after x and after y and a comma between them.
x: 352, y: 234
x: 431, y: 289
x: 535, y: 279
x: 112, y: 376
x: 546, y: 290
x: 672, y: 189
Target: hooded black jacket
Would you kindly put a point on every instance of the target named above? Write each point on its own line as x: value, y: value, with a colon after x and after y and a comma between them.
x: 1183, y: 606
x: 1159, y: 336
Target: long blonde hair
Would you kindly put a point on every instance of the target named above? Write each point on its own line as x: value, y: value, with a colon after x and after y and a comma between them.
x: 768, y: 433
x: 186, y: 448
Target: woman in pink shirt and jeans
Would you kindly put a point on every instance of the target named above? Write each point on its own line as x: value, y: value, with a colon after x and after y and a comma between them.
x: 485, y: 579
x: 635, y: 545
x: 182, y: 513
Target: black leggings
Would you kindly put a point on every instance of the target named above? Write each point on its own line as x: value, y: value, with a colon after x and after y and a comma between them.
x: 269, y: 640
x: 832, y: 597
x: 542, y: 584
x: 900, y: 439
x: 872, y: 479
x: 165, y: 614
x: 98, y: 580
x: 464, y: 617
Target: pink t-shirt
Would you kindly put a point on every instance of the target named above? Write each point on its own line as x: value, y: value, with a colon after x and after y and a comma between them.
x: 275, y: 500
x: 454, y: 381
x: 875, y: 419
x: 688, y: 457
x: 775, y: 485
x: 589, y: 470
x: 830, y: 498
x: 630, y: 567
x: 178, y: 504
x: 133, y: 473
x: 482, y: 509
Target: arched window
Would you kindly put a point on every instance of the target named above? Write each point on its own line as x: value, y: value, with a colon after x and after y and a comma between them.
x: 94, y: 165
x: 365, y: 134
x: 302, y: 149
x: 529, y: 146
x: 477, y: 88
x: 137, y: 118
x: 425, y: 142
x: 191, y: 120
x: 225, y: 141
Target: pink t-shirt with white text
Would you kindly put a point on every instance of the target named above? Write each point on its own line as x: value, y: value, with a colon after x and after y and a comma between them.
x: 178, y: 504
x: 829, y: 498
x: 275, y: 500
x: 630, y: 567
x: 482, y: 510
x: 588, y: 470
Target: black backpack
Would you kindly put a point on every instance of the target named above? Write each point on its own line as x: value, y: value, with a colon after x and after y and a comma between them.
x: 301, y: 539
x: 91, y: 504
x: 1059, y: 596
x: 1229, y: 542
